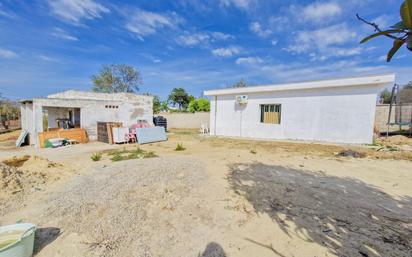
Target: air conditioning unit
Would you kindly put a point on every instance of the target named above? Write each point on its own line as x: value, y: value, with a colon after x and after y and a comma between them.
x: 241, y: 99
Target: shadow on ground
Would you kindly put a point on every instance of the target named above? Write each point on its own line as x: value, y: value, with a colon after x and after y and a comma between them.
x: 213, y: 250
x: 346, y: 215
x: 45, y: 236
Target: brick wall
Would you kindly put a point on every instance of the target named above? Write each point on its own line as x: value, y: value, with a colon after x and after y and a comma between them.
x: 13, y: 124
x: 381, y: 117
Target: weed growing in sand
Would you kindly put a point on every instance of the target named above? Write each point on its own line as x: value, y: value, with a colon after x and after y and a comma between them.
x: 96, y: 157
x: 136, y: 153
x: 253, y: 151
x: 117, y: 157
x: 180, y: 147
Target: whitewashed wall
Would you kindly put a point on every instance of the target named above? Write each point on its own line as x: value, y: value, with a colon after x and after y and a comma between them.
x: 342, y: 115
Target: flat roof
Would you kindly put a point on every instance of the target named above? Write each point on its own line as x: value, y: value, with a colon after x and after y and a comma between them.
x: 319, y: 84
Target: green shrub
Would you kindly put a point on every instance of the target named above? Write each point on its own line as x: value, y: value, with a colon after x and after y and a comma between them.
x: 121, y: 155
x: 150, y: 154
x: 96, y: 157
x: 199, y: 105
x: 117, y: 157
x: 180, y: 147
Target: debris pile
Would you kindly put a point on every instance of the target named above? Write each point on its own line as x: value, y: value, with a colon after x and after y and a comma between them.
x: 20, y: 174
x: 351, y: 153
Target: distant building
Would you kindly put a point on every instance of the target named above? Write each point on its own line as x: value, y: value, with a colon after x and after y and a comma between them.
x: 83, y: 110
x: 338, y: 110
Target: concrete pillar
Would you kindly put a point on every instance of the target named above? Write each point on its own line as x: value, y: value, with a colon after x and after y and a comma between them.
x: 37, y: 122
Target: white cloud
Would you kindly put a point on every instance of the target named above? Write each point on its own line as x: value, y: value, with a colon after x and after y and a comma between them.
x: 319, y: 12
x: 144, y: 23
x: 6, y: 14
x: 242, y: 4
x: 221, y: 36
x: 193, y: 39
x: 299, y: 72
x: 8, y: 54
x: 226, y: 52
x: 248, y: 60
x: 257, y: 28
x: 73, y: 11
x: 274, y: 42
x: 325, y: 41
x: 60, y: 33
x: 47, y: 58
x: 384, y: 21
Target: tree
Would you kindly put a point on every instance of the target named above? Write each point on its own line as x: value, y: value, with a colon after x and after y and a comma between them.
x: 203, y: 105
x: 401, y: 32
x: 156, y: 104
x: 408, y: 85
x: 164, y: 106
x: 9, y: 110
x: 240, y: 83
x: 193, y: 106
x: 386, y: 96
x: 116, y: 78
x: 180, y: 97
x: 199, y: 105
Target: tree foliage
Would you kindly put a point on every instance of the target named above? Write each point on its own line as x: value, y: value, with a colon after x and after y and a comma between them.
x: 400, y: 33
x: 156, y: 104
x: 115, y: 78
x: 180, y: 97
x: 9, y: 110
x: 386, y: 96
x: 240, y: 83
x: 199, y: 105
x: 164, y: 106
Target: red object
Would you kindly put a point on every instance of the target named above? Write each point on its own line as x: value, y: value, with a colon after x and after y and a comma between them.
x: 131, y: 137
x: 141, y: 124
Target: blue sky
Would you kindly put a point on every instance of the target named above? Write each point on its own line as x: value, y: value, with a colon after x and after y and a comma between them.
x: 53, y: 45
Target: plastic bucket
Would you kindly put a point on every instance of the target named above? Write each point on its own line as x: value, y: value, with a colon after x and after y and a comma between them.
x: 17, y: 240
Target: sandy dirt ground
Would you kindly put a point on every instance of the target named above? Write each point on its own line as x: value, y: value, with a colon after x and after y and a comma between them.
x: 218, y: 197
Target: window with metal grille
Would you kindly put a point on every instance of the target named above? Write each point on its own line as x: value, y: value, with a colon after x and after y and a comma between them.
x: 270, y: 113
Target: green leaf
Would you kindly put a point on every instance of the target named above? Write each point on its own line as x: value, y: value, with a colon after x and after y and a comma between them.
x: 396, y: 45
x: 406, y: 13
x: 399, y: 25
x: 382, y: 33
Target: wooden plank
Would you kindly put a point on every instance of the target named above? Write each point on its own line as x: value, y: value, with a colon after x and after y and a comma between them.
x: 77, y: 134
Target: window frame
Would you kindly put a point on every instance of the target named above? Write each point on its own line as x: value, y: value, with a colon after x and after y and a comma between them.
x: 269, y: 108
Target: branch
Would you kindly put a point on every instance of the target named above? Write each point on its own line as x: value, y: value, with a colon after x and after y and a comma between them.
x: 376, y: 27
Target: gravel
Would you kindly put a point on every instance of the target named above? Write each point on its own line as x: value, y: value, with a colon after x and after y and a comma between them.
x: 134, y: 208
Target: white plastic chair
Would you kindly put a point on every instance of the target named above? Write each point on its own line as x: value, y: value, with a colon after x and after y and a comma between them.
x: 204, y: 129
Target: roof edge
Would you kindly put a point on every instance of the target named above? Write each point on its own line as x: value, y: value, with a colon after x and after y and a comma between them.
x: 317, y: 84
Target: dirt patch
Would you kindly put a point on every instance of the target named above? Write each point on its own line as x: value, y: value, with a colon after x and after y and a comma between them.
x: 9, y: 136
x: 8, y: 140
x: 221, y: 197
x: 395, y: 140
x: 23, y: 175
x: 345, y: 215
x: 17, y: 161
x: 312, y: 149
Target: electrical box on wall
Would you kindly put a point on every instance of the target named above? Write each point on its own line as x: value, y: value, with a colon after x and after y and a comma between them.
x: 241, y: 99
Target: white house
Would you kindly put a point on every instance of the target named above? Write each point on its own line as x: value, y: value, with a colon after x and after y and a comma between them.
x: 337, y: 110
x: 84, y: 110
